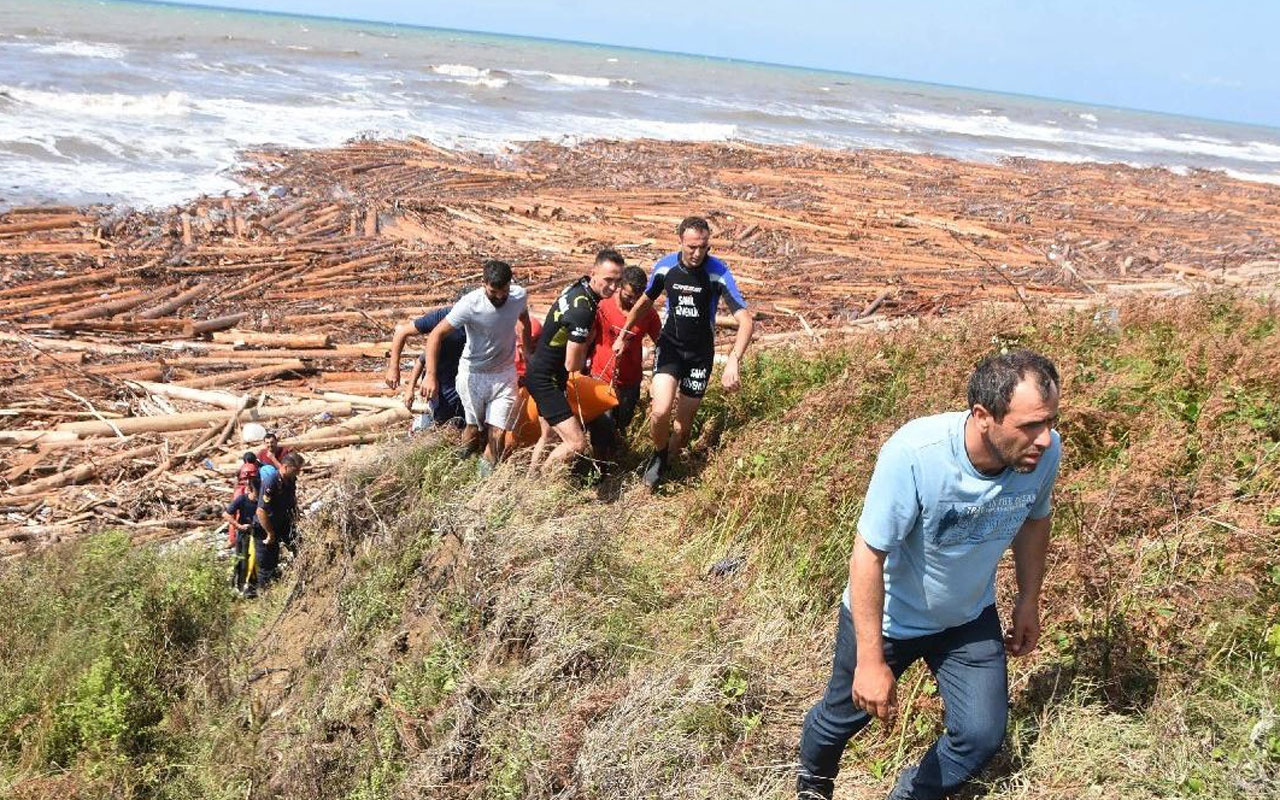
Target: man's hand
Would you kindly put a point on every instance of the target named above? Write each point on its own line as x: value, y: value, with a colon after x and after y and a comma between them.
x: 620, y: 343
x: 875, y: 690
x: 393, y: 375
x: 429, y: 388
x: 408, y: 399
x: 729, y: 379
x: 1022, y: 638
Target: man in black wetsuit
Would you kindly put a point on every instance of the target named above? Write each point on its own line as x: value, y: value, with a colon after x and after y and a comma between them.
x: 694, y: 281
x: 563, y: 349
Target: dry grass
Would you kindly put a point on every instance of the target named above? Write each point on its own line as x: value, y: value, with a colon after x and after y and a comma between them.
x: 450, y: 637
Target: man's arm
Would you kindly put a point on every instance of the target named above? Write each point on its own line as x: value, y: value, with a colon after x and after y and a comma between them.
x: 1030, y: 549
x: 526, y: 334
x: 575, y: 356
x: 265, y: 522
x: 429, y: 386
x: 642, y: 305
x: 873, y: 683
x: 746, y: 325
x: 419, y: 366
x: 402, y: 333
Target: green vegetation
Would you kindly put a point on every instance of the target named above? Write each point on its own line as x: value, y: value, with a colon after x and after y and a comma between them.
x: 449, y: 637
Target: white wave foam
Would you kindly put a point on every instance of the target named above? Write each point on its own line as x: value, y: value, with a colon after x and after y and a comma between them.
x: 103, y: 105
x: 186, y: 56
x: 1258, y: 177
x: 1001, y: 127
x: 74, y: 47
x: 1087, y: 117
x: 576, y: 81
x: 487, y: 83
x: 581, y: 126
x: 458, y: 70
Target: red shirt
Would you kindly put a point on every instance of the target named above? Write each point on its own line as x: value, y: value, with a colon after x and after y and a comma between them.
x: 535, y: 330
x: 628, y: 368
x: 262, y: 455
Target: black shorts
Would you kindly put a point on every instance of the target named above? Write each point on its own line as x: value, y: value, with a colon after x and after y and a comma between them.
x: 547, y: 391
x: 692, y: 369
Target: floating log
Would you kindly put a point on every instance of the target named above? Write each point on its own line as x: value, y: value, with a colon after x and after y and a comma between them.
x: 225, y: 400
x: 240, y: 376
x: 215, y: 324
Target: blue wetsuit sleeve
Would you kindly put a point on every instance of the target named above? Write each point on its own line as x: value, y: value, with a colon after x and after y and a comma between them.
x: 892, y: 505
x: 657, y: 281
x: 731, y: 294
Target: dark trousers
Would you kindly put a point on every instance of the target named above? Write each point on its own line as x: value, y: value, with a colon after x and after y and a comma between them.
x: 606, y: 430
x: 968, y: 662
x: 266, y: 558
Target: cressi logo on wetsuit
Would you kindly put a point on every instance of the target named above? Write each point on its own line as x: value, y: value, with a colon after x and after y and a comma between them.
x: 570, y: 320
x: 692, y: 296
x: 686, y: 348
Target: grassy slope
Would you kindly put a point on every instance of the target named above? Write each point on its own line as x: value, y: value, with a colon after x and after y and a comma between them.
x: 454, y: 638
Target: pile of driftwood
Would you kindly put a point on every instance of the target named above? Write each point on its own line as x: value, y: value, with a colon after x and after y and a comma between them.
x: 135, y: 344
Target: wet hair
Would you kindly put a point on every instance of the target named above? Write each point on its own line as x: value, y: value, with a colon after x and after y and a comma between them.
x: 271, y: 435
x: 497, y: 273
x: 698, y: 224
x: 635, y: 277
x: 250, y: 458
x: 292, y: 460
x: 993, y: 381
x: 612, y: 256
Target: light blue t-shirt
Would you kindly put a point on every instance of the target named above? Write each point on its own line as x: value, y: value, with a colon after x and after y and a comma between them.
x: 943, y: 524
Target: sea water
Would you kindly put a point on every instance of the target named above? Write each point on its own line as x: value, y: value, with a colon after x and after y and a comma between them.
x: 148, y: 105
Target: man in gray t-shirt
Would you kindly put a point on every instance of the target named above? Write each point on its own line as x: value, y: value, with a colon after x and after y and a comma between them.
x: 486, y: 374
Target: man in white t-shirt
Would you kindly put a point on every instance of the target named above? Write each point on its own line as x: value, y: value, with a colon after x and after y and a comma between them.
x: 486, y: 379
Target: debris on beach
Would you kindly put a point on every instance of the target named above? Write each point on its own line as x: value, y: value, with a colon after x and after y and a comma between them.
x: 134, y: 345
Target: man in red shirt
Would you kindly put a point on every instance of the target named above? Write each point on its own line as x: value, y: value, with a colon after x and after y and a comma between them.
x: 623, y: 371
x: 274, y: 452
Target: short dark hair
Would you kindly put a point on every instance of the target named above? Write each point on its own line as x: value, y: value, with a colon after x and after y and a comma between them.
x: 612, y: 256
x: 699, y: 224
x: 635, y: 277
x: 497, y: 273
x: 270, y: 435
x: 292, y: 460
x: 250, y: 458
x: 993, y: 381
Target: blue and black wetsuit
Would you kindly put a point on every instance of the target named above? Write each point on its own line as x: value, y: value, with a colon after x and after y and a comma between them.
x: 570, y: 319
x: 686, y: 348
x: 447, y: 406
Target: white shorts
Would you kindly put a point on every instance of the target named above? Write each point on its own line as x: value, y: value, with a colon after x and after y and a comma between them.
x: 488, y: 398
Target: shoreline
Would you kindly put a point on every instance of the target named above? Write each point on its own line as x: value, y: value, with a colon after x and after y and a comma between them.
x: 289, y: 298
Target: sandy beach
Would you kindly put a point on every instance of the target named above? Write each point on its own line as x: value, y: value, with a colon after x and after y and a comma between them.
x: 286, y: 297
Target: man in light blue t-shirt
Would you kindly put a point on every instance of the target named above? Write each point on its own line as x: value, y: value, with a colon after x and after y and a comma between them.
x: 949, y: 494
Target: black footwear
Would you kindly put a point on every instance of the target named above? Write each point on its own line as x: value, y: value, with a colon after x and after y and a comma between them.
x: 812, y: 787
x: 653, y: 472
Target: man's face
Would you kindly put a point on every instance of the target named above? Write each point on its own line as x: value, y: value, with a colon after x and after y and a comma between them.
x: 605, y: 277
x: 1022, y: 436
x: 497, y: 293
x: 627, y: 296
x: 694, y: 246
x: 273, y: 443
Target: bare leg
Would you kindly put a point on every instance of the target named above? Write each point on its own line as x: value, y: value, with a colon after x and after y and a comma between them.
x: 496, y: 448
x: 663, y: 394
x: 544, y: 441
x: 686, y: 409
x: 471, y: 438
x: 573, y: 442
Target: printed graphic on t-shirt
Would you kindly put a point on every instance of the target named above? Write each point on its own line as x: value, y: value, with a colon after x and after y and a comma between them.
x: 996, y: 520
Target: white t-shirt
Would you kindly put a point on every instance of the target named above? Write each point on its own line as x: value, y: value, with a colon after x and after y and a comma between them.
x: 491, y: 332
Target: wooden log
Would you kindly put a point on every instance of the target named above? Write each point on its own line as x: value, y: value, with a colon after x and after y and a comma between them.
x: 82, y: 472
x: 24, y: 438
x: 199, y: 419
x: 240, y: 376
x: 331, y: 442
x: 183, y: 392
x: 113, y: 305
x: 265, y: 339
x: 215, y: 324
x: 365, y: 422
x: 364, y: 400
x: 175, y: 303
x: 46, y: 224
x: 173, y: 324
